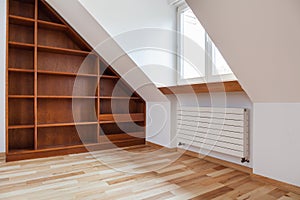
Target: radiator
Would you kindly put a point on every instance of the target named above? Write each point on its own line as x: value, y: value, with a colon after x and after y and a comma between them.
x: 223, y: 130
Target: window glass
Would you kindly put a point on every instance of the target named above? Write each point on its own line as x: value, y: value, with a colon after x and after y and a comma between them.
x: 220, y: 66
x: 200, y: 58
x: 193, y: 35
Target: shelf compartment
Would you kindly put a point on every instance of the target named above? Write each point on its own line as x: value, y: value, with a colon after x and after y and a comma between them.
x: 121, y: 128
x: 56, y: 38
x: 49, y: 15
x: 20, y: 112
x: 121, y: 106
x: 20, y: 83
x: 116, y: 118
x: 51, y: 25
x: 49, y: 85
x: 45, y: 14
x: 16, y: 27
x: 65, y: 63
x: 121, y: 137
x: 56, y: 111
x: 115, y: 88
x: 15, y: 55
x: 22, y: 8
x: 54, y: 137
x: 20, y: 139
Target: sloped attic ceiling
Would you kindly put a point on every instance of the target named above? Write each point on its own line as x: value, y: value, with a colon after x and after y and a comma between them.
x: 260, y: 40
x: 78, y: 17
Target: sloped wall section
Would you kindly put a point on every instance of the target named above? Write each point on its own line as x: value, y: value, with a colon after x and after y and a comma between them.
x: 260, y: 40
x: 145, y: 30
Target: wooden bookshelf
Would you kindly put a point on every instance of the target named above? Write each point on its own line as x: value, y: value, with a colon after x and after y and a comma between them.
x: 61, y: 98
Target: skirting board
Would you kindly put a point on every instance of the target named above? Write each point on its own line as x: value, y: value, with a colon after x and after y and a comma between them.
x: 154, y: 145
x: 160, y: 147
x: 279, y: 184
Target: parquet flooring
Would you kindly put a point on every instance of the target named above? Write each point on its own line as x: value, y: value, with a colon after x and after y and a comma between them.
x: 140, y: 172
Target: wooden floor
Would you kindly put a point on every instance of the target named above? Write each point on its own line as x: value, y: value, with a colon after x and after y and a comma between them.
x: 83, y: 177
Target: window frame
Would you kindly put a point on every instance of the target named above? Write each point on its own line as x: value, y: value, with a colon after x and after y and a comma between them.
x: 209, y: 77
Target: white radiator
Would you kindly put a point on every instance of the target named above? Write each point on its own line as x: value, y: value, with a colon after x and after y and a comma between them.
x: 223, y: 130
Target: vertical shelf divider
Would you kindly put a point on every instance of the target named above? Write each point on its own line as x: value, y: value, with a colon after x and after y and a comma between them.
x: 98, y: 98
x: 35, y: 74
x: 6, y: 74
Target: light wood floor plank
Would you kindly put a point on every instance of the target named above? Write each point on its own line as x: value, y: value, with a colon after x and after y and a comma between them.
x: 139, y: 172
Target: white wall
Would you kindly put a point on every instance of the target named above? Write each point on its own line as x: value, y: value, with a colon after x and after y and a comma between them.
x: 159, y: 123
x: 231, y: 100
x: 276, y: 141
x: 145, y: 31
x: 2, y: 73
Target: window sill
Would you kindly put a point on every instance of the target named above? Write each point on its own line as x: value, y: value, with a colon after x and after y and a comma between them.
x: 229, y: 86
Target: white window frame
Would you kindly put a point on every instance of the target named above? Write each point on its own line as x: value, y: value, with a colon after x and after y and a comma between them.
x: 209, y: 77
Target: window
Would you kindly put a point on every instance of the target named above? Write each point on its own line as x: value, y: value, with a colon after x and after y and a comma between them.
x: 199, y: 59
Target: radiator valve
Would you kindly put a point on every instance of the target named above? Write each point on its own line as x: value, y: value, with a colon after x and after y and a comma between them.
x: 181, y: 144
x: 244, y: 160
